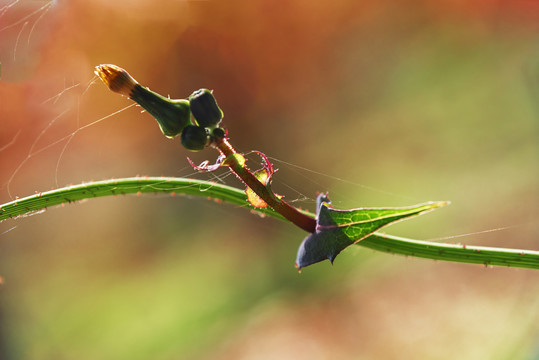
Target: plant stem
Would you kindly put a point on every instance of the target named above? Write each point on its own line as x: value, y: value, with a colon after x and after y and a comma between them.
x: 289, y: 212
x: 170, y: 115
x: 380, y: 242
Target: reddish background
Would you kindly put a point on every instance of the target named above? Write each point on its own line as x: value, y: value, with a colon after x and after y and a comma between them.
x: 419, y: 100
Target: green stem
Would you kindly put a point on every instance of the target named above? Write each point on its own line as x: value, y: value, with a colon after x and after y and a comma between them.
x: 377, y: 241
x: 488, y: 256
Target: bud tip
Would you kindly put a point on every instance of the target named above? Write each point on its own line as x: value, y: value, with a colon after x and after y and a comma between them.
x: 116, y: 78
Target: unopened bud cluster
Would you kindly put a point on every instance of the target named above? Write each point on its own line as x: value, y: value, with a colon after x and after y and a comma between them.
x: 173, y: 115
x: 207, y: 116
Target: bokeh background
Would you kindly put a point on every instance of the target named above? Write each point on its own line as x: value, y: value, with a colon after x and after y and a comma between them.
x: 380, y: 103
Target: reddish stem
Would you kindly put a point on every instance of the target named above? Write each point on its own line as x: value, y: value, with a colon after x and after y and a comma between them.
x: 167, y: 112
x: 282, y: 207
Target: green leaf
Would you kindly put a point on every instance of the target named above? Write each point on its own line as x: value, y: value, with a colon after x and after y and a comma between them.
x: 338, y: 229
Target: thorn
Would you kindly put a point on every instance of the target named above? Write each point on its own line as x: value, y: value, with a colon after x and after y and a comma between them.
x: 331, y: 258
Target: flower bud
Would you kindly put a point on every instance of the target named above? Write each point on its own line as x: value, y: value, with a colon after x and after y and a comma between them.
x: 172, y: 115
x: 218, y: 133
x: 204, y: 108
x: 116, y: 78
x: 194, y: 137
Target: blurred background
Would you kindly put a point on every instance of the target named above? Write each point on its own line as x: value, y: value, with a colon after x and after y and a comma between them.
x: 379, y: 103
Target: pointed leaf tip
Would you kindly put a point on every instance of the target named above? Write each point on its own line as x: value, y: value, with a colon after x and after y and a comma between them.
x: 338, y: 229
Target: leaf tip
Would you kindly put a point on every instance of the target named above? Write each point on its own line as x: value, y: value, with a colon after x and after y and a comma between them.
x: 437, y: 204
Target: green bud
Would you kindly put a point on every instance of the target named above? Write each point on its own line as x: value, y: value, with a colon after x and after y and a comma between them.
x: 218, y: 133
x: 194, y: 137
x: 172, y: 115
x: 204, y: 108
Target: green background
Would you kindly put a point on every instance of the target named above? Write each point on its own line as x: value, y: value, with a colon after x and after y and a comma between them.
x: 386, y: 104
